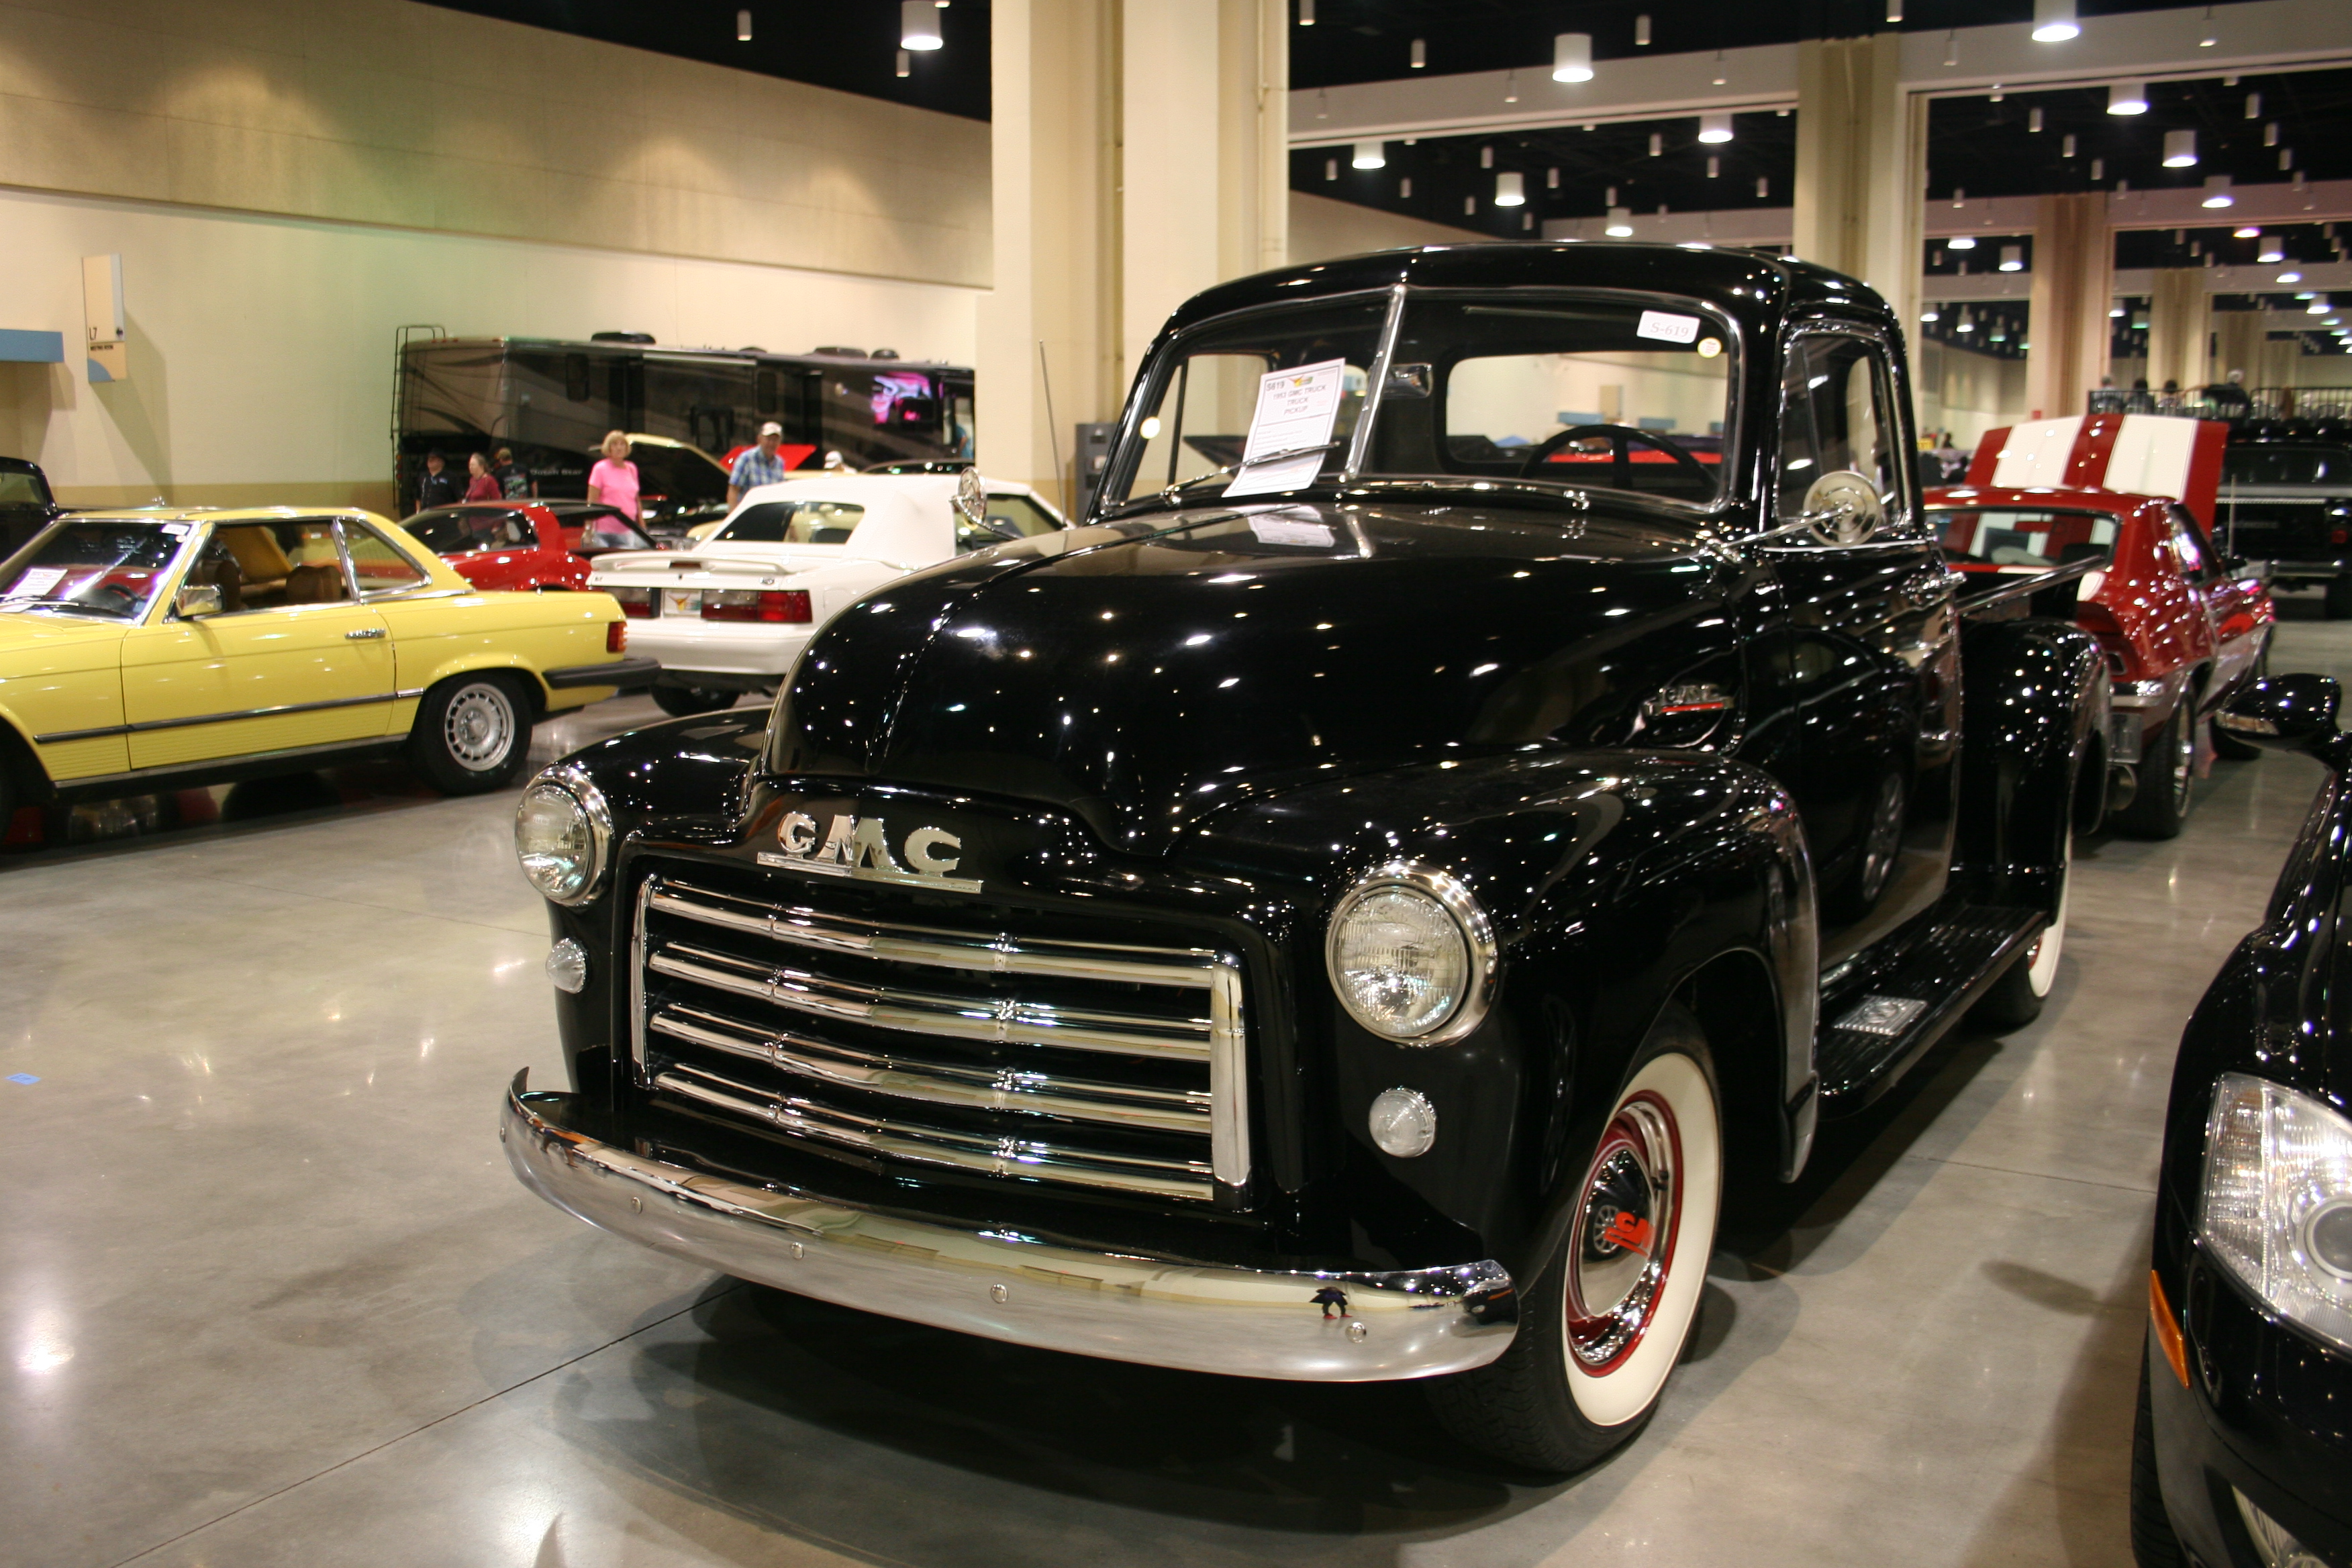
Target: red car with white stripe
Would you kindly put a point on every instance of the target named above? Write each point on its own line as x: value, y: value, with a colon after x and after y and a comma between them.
x: 2184, y: 626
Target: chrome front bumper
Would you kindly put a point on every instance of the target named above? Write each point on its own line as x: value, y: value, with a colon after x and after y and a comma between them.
x: 1247, y: 1323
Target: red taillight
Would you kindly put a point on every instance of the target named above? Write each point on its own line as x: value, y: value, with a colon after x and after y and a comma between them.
x: 635, y: 603
x: 2339, y: 534
x: 770, y: 604
x: 616, y: 636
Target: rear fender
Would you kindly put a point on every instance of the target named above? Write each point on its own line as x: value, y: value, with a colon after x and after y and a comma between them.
x: 2034, y: 712
x: 1614, y: 882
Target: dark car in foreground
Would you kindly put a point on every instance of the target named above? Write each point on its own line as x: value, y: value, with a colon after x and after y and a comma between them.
x: 2290, y: 504
x: 2242, y: 1451
x: 1351, y: 912
x: 26, y: 504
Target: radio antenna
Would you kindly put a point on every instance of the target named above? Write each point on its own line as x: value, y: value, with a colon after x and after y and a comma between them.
x: 1052, y: 428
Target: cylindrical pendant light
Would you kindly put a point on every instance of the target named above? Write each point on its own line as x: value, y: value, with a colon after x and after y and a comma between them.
x: 1621, y: 223
x: 1714, y: 128
x: 1370, y: 155
x: 918, y: 24
x: 1510, y: 189
x: 2179, y: 149
x: 2127, y: 98
x: 2217, y: 192
x: 2012, y: 258
x: 742, y: 26
x: 1571, y: 57
x: 2053, y: 21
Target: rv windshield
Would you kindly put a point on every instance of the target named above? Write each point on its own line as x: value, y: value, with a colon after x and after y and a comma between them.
x: 1579, y: 391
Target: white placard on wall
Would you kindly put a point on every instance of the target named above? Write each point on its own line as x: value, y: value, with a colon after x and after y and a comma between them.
x: 107, y: 331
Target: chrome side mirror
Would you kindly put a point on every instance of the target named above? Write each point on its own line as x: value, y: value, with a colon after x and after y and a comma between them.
x: 197, y: 599
x: 2285, y: 712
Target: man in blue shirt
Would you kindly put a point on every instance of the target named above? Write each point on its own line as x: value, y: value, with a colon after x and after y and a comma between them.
x: 759, y: 466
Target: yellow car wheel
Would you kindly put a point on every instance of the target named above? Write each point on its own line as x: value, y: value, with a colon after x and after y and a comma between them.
x: 472, y: 733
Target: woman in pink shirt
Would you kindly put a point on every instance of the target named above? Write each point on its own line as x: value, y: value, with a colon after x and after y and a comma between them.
x: 614, y: 480
x: 484, y: 487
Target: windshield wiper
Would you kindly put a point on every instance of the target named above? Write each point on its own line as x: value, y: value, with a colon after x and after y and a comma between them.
x: 1181, y: 486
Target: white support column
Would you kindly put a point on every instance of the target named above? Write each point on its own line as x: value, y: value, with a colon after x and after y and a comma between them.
x: 1862, y: 165
x: 2180, y: 315
x: 2073, y: 284
x: 1054, y: 167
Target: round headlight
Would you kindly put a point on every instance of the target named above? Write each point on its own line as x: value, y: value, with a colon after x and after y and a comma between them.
x: 562, y: 833
x: 1412, y: 956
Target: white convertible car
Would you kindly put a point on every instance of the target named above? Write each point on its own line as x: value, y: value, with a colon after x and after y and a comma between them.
x: 729, y: 614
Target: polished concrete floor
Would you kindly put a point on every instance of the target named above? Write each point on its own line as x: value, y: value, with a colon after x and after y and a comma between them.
x: 269, y: 1296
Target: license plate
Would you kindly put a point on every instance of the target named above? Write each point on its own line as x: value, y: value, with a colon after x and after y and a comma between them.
x: 681, y: 601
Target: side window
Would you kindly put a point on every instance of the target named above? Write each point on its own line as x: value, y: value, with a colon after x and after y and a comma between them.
x: 2188, y: 547
x: 379, y: 567
x: 1837, y: 429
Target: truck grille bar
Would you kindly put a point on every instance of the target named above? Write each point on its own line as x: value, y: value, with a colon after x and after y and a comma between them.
x: 1094, y: 1064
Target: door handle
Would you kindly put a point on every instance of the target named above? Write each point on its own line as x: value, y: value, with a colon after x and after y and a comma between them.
x: 1927, y: 587
x: 364, y: 634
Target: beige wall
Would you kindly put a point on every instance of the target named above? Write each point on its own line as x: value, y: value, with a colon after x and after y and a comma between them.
x: 261, y: 347
x: 1967, y: 392
x: 1321, y: 229
x: 387, y: 111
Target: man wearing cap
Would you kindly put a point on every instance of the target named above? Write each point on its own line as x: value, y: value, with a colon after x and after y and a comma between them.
x: 759, y: 466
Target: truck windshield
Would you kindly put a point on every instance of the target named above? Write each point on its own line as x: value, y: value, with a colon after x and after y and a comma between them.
x: 109, y: 568
x: 1577, y: 391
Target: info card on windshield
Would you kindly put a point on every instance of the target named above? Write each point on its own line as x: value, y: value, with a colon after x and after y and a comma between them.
x: 1296, y: 411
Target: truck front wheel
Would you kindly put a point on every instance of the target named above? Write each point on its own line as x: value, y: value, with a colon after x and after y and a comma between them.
x: 1610, y: 1312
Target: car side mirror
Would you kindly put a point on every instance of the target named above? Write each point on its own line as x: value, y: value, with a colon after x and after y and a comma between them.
x: 2285, y: 712
x: 197, y: 599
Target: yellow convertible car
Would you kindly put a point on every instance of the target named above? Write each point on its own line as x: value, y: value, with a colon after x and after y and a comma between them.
x: 155, y: 649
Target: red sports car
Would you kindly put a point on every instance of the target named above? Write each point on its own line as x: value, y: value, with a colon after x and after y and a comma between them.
x: 2184, y: 626
x: 523, y: 545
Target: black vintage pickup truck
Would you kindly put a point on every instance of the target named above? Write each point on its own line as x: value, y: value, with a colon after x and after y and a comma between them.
x: 1351, y: 914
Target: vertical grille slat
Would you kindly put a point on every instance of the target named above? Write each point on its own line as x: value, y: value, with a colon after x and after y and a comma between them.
x: 1106, y: 1064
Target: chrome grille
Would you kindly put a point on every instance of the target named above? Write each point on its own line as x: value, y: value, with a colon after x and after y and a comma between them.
x: 1089, y: 1063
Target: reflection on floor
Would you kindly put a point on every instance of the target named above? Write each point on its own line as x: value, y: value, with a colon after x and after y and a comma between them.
x: 268, y: 1295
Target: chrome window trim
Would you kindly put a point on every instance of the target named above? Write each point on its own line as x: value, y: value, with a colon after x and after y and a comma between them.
x: 1454, y: 897
x: 147, y: 726
x: 350, y: 568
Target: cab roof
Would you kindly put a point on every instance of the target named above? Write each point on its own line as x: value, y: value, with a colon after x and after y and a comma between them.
x: 1752, y: 286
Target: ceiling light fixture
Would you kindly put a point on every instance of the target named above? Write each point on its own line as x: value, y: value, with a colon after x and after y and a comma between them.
x: 2317, y: 308
x: 2033, y: 118
x: 1893, y: 13
x: 1485, y: 157
x: 2270, y: 133
x: 2179, y: 149
x: 2053, y: 21
x: 1763, y: 188
x: 1510, y: 189
x: 2067, y: 148
x: 2098, y: 170
x: 2012, y: 258
x: 2208, y: 39
x: 1952, y: 47
x: 1404, y: 189
x: 1551, y: 179
x: 2253, y: 106
x: 2272, y: 253
x: 1571, y: 57
x: 1657, y: 143
x: 1469, y: 206
x: 906, y: 63
x: 1714, y: 166
x: 1928, y: 314
x: 1370, y: 155
x: 1330, y: 168
x: 1306, y: 13
x: 1964, y: 325
x: 2246, y: 231
x: 1620, y: 224
x: 918, y: 24
x: 1641, y: 31
x: 1420, y: 61
x: 1961, y: 242
x: 1610, y: 199
x: 2127, y: 98
x: 1511, y: 86
x: 2115, y: 314
x: 742, y: 26
x: 1715, y: 128
x: 2290, y: 277
x: 2217, y: 192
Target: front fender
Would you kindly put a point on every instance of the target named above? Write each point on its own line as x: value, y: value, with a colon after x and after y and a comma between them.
x: 1613, y: 879
x: 2035, y: 709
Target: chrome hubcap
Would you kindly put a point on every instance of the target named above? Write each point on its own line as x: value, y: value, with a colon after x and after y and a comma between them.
x: 1625, y: 1234
x: 480, y: 727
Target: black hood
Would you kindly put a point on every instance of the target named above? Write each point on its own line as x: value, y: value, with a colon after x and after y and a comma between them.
x: 1143, y: 675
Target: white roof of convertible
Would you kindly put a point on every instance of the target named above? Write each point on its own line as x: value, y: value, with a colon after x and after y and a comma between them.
x: 908, y: 516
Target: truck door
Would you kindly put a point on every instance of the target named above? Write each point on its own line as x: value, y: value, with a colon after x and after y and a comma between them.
x: 1866, y: 660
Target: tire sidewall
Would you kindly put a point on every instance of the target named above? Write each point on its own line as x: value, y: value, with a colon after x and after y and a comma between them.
x: 429, y: 739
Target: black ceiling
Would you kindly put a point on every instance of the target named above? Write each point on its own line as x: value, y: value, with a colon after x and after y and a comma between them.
x: 1446, y: 170
x: 1371, y: 41
x: 1989, y: 149
x: 851, y: 46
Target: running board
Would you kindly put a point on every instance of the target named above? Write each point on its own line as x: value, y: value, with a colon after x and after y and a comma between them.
x: 1903, y: 998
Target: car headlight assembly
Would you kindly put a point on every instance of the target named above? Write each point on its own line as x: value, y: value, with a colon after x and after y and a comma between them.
x: 564, y: 837
x: 1412, y: 956
x: 2277, y: 1206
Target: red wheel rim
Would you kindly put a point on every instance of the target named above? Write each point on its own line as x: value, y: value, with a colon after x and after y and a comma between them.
x: 1626, y: 1223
